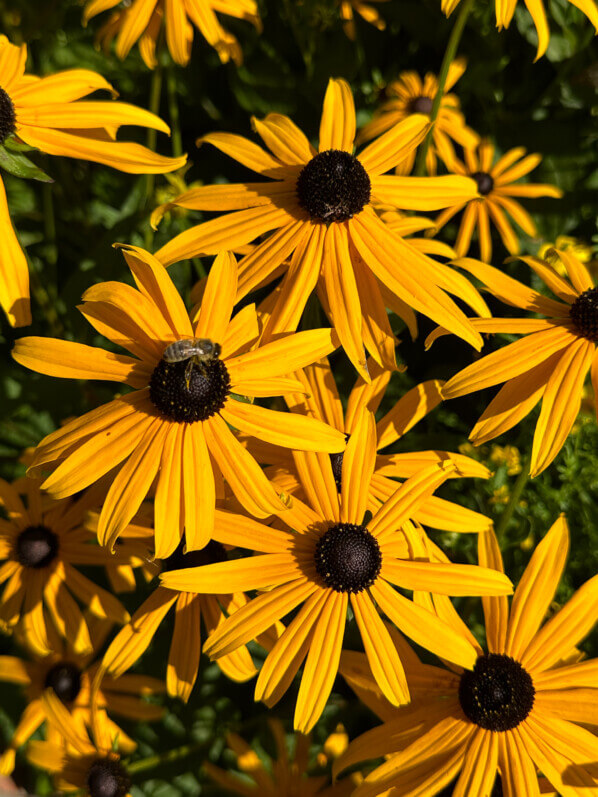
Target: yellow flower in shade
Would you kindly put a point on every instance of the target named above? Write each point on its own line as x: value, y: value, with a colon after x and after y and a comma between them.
x: 321, y: 400
x: 348, y: 9
x: 550, y: 363
x: 409, y: 95
x: 71, y: 677
x: 175, y: 424
x: 43, y: 113
x: 285, y: 776
x: 325, y: 557
x: 42, y: 542
x: 142, y: 20
x: 75, y: 762
x: 190, y: 610
x: 506, y: 10
x: 521, y: 707
x: 320, y: 205
x: 497, y: 188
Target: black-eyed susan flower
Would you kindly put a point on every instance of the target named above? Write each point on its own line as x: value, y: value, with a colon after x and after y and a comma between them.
x: 42, y: 541
x: 348, y: 9
x: 45, y: 114
x: 521, y: 708
x: 408, y: 95
x: 191, y: 611
x: 325, y: 557
x: 76, y: 763
x: 288, y: 775
x: 506, y: 10
x: 175, y: 424
x: 71, y: 676
x: 497, y: 188
x: 549, y: 364
x: 321, y: 400
x: 142, y: 21
x: 320, y: 207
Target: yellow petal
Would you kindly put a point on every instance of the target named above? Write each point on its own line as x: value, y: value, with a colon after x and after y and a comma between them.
x: 337, y: 128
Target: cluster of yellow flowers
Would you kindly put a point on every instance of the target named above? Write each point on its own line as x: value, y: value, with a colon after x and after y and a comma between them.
x: 244, y: 514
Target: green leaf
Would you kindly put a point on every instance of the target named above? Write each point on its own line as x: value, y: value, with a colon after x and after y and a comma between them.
x: 13, y: 144
x: 20, y: 166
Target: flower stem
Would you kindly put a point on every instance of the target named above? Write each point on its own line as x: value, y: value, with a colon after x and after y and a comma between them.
x: 449, y: 57
x: 152, y: 137
x: 145, y: 764
x: 506, y: 516
x: 173, y: 112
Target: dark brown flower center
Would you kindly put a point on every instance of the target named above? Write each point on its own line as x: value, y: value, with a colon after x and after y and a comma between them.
x: 348, y: 557
x: 212, y: 553
x: 584, y: 314
x: 190, y: 390
x: 421, y: 105
x: 485, y: 182
x: 36, y: 547
x: 107, y: 778
x: 8, y: 116
x: 65, y: 680
x: 497, y: 694
x: 333, y: 186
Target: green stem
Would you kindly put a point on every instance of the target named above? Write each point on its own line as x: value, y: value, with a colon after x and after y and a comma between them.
x: 46, y: 303
x: 449, y: 57
x: 506, y: 516
x: 173, y: 112
x: 145, y: 764
x: 152, y: 138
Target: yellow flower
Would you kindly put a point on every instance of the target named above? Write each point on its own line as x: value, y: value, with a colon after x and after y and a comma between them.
x: 191, y: 611
x: 565, y: 243
x: 284, y: 776
x: 506, y: 10
x: 509, y: 456
x: 521, y: 707
x: 320, y: 399
x: 320, y: 205
x: 42, y: 542
x: 76, y: 762
x: 141, y: 21
x: 408, y: 95
x: 550, y: 363
x: 71, y: 677
x: 175, y: 424
x: 501, y: 495
x: 348, y: 9
x: 43, y: 113
x: 495, y: 200
x: 324, y: 557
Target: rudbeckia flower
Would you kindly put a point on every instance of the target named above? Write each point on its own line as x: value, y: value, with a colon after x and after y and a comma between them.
x: 320, y: 205
x: 190, y: 611
x: 43, y: 113
x: 348, y: 9
x: 506, y: 10
x: 42, y: 542
x: 321, y: 400
x: 71, y: 676
x: 141, y: 21
x: 284, y: 775
x: 520, y: 708
x: 550, y: 363
x: 325, y: 557
x: 77, y: 763
x: 408, y: 95
x: 497, y: 186
x: 175, y: 423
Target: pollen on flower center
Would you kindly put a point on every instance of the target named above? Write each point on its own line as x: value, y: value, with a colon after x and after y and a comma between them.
x: 107, y: 778
x: 485, y: 182
x: 348, y: 557
x: 7, y: 116
x: 65, y: 679
x: 333, y: 186
x: 187, y: 391
x: 421, y: 105
x: 212, y: 553
x: 497, y: 694
x: 584, y: 313
x: 36, y: 547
